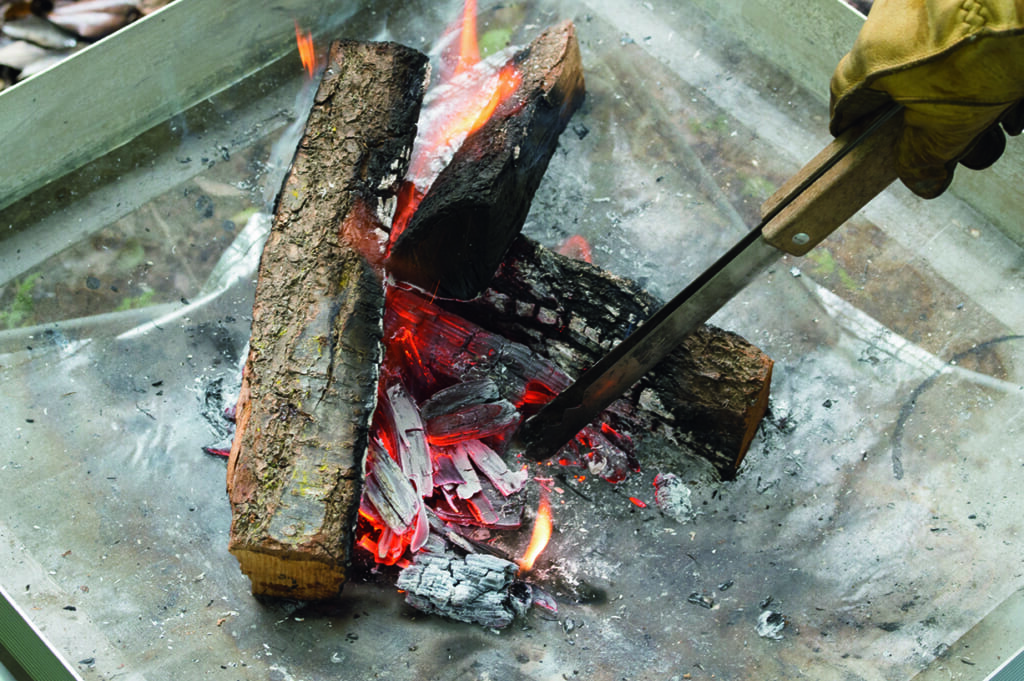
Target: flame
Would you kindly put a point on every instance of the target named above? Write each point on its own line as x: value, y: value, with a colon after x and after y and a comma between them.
x: 472, y: 92
x: 476, y: 108
x: 481, y: 107
x: 469, y: 52
x: 306, y: 52
x: 541, y: 534
x: 576, y: 246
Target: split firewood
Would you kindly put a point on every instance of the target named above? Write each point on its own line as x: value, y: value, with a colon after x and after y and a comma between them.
x: 712, y: 390
x: 94, y: 19
x: 478, y: 204
x: 310, y: 381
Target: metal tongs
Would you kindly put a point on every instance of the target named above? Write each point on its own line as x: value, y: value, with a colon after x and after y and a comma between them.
x: 849, y: 172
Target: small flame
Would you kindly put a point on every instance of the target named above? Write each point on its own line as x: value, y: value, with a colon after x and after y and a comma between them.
x: 576, y: 246
x: 469, y: 52
x: 541, y: 534
x: 306, y: 52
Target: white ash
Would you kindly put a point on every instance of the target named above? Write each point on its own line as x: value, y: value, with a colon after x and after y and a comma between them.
x: 473, y: 589
x: 673, y: 497
x: 770, y: 624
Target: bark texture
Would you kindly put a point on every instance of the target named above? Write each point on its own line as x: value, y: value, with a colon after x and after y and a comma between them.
x: 478, y: 204
x: 712, y: 390
x: 310, y: 380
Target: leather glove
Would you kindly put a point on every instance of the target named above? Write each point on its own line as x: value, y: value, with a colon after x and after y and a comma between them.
x: 957, y: 67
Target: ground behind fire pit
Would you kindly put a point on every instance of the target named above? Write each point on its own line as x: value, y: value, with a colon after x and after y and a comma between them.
x: 877, y: 512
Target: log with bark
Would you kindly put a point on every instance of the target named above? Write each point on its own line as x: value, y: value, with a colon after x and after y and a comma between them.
x: 310, y: 380
x: 477, y: 205
x: 712, y: 390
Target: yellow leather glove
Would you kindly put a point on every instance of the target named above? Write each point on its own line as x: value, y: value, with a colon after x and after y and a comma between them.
x: 957, y: 66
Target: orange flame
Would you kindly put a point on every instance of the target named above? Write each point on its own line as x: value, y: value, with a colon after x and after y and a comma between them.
x: 469, y: 52
x: 576, y: 246
x: 481, y: 106
x: 541, y: 534
x: 306, y: 52
x: 474, y: 95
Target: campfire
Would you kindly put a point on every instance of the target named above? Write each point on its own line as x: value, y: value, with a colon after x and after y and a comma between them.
x: 403, y: 329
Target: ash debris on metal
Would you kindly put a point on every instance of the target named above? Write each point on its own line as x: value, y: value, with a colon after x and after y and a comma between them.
x: 673, y: 497
x: 770, y: 624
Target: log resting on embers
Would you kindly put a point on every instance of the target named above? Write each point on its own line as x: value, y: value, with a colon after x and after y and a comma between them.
x: 479, y: 202
x: 711, y: 391
x: 310, y: 380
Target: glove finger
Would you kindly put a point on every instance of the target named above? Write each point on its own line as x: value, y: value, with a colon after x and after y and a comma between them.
x: 1013, y: 119
x: 934, y: 138
x: 987, y: 149
x: 918, y: 165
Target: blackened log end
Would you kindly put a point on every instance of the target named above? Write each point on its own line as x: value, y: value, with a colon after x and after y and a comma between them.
x: 477, y: 205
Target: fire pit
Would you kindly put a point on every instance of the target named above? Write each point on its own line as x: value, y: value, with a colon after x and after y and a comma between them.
x: 365, y: 384
x: 115, y: 523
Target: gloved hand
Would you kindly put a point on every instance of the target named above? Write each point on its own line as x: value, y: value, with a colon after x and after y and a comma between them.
x: 957, y: 66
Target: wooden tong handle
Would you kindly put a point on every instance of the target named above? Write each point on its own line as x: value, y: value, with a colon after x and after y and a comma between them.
x: 849, y: 172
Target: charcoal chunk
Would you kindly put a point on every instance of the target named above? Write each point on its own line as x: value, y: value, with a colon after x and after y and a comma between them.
x: 454, y: 398
x: 472, y: 589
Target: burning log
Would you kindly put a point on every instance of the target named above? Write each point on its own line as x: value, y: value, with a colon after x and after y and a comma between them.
x: 477, y: 205
x: 713, y: 388
x: 310, y: 381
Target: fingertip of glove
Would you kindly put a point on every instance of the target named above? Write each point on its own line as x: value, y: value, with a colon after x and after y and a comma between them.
x: 928, y: 187
x: 986, y: 150
x: 1013, y: 119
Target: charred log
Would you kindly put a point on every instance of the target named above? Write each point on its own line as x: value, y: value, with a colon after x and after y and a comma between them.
x: 310, y: 380
x: 713, y: 388
x: 478, y: 204
x: 478, y: 588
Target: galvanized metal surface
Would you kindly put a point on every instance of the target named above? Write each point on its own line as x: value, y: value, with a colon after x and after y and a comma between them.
x: 879, y: 507
x: 121, y: 86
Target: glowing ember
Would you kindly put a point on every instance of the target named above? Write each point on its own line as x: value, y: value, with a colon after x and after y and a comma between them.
x: 638, y: 503
x: 450, y: 395
x: 437, y: 431
x: 577, y: 247
x: 306, y: 52
x: 540, y: 537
